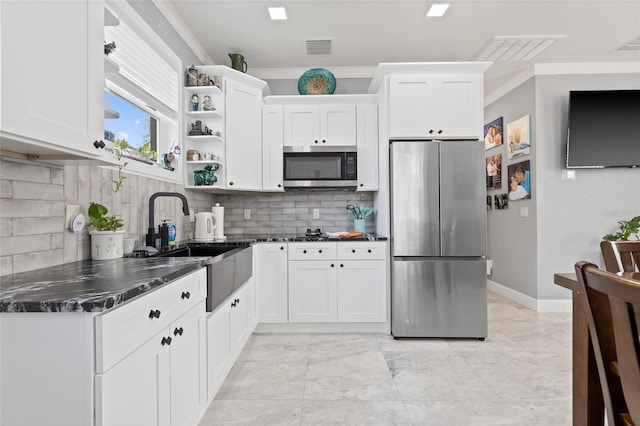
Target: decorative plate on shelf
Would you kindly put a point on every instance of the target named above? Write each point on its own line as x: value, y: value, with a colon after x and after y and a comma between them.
x: 317, y: 81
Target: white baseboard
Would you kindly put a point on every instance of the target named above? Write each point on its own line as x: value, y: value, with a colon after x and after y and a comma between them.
x: 539, y: 305
x: 381, y: 328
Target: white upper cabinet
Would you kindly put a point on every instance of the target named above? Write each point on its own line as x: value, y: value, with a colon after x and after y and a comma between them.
x: 52, y: 77
x: 313, y: 125
x: 244, y: 136
x: 272, y: 142
x: 367, y: 146
x: 435, y: 106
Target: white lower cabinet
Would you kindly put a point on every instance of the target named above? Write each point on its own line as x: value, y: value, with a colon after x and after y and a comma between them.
x: 342, y: 282
x: 228, y: 329
x: 312, y: 291
x: 161, y: 382
x: 270, y: 260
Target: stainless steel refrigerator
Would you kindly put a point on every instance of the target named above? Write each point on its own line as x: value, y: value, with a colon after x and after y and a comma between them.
x: 438, y: 239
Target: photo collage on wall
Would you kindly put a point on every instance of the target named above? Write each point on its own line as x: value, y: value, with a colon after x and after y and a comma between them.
x: 517, y: 144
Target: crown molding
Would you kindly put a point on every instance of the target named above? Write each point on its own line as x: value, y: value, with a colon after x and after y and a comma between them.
x: 295, y: 73
x: 183, y: 30
x: 568, y: 68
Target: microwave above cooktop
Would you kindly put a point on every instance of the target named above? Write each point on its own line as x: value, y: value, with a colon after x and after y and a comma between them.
x: 320, y: 167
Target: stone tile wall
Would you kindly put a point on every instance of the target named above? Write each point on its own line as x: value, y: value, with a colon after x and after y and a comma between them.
x: 34, y: 196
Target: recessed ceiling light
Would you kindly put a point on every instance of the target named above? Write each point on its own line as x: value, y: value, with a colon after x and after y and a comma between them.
x: 278, y: 13
x: 437, y: 9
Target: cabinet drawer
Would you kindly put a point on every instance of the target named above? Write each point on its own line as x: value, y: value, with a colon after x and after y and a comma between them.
x: 362, y: 250
x: 122, y: 330
x: 312, y: 251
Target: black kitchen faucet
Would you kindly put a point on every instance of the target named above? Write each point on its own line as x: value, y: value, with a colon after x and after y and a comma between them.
x: 151, y: 234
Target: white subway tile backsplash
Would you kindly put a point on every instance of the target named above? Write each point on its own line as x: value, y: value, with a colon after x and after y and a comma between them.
x: 57, y: 241
x: 37, y: 191
x: 24, y: 244
x: 39, y: 225
x: 6, y: 265
x: 24, y: 208
x: 21, y: 171
x: 37, y: 260
x: 6, y: 189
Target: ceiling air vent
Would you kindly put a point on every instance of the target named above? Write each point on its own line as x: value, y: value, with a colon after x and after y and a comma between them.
x: 632, y: 45
x: 514, y: 48
x: 318, y: 47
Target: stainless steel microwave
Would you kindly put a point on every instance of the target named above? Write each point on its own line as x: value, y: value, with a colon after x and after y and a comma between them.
x: 320, y: 167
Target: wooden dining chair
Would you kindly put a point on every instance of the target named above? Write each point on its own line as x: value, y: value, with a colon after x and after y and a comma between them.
x: 614, y: 333
x: 621, y: 256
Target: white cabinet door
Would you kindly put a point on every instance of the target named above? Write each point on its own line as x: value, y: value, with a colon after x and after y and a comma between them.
x: 459, y: 112
x: 272, y: 143
x: 271, y: 282
x: 301, y: 125
x: 137, y: 390
x: 238, y: 322
x: 218, y: 344
x: 411, y: 106
x: 313, y: 125
x: 188, y: 367
x: 250, y: 296
x: 367, y: 141
x: 362, y: 291
x: 52, y: 75
x: 435, y: 106
x: 313, y: 291
x: 243, y: 144
x: 337, y: 125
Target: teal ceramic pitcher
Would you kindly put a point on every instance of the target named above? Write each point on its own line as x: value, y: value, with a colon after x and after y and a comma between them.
x: 237, y: 62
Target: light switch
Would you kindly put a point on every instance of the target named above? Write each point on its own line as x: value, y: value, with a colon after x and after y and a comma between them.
x: 247, y: 214
x: 316, y: 213
x: 524, y: 211
x: 568, y: 174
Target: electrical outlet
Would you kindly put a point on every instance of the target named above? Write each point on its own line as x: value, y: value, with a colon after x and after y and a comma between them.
x: 247, y: 214
x: 316, y: 213
x: 192, y: 215
x: 72, y: 211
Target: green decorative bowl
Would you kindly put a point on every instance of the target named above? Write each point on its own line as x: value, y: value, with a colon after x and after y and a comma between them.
x: 317, y: 81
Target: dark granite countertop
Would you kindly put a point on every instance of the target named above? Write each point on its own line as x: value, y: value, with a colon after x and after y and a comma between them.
x: 90, y: 285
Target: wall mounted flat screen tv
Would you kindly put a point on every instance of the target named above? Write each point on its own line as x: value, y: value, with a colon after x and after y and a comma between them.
x: 603, y: 129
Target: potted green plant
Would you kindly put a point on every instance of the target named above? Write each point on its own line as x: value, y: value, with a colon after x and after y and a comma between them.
x: 626, y: 228
x: 107, y: 237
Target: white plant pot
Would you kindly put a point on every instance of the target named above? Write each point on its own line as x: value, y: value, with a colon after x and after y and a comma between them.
x: 106, y: 244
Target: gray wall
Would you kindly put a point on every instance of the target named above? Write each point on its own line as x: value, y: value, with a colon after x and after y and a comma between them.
x: 567, y: 218
x: 344, y: 86
x: 573, y: 215
x: 512, y: 241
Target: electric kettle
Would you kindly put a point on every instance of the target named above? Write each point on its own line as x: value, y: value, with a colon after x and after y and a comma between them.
x: 205, y: 224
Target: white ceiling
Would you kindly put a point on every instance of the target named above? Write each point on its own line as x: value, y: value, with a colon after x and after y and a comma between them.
x: 365, y: 33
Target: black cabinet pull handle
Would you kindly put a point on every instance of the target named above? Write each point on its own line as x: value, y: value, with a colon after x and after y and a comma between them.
x: 353, y: 250
x: 186, y: 295
x: 233, y: 304
x: 154, y: 313
x: 439, y: 131
x: 98, y: 144
x: 369, y: 250
x: 230, y: 183
x: 279, y: 186
x: 362, y: 184
x: 315, y: 141
x: 332, y: 265
x: 430, y: 131
x: 166, y: 340
x: 304, y: 251
x: 319, y: 251
x: 281, y: 248
x: 178, y: 331
x: 237, y: 301
x: 324, y: 141
x: 341, y: 265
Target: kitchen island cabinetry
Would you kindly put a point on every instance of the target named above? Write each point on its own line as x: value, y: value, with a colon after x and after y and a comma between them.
x: 139, y: 362
x: 52, y: 105
x: 435, y: 106
x: 319, y: 125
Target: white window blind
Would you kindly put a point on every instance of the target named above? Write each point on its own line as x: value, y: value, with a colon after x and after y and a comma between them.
x: 143, y: 67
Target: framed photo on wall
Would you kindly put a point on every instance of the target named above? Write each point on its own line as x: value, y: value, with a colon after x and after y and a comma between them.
x: 519, y: 178
x: 494, y: 171
x: 518, y: 136
x: 493, y: 134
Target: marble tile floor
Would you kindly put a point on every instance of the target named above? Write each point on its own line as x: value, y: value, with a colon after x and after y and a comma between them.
x: 519, y: 376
